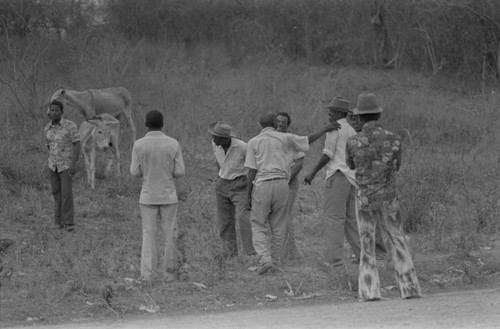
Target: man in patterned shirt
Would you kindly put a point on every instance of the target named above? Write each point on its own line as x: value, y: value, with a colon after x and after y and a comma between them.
x: 63, y: 143
x: 375, y: 153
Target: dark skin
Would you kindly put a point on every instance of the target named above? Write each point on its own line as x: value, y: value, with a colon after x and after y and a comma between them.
x: 55, y: 115
x: 333, y: 116
x: 224, y: 142
x: 268, y: 120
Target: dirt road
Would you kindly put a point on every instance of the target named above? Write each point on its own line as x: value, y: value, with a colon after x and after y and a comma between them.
x: 464, y: 309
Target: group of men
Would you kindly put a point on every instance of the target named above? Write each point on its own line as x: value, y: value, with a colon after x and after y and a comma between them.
x: 256, y: 187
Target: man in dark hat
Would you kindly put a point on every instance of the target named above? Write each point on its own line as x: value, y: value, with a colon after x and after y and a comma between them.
x: 339, y: 212
x: 268, y: 159
x: 157, y: 158
x: 233, y: 221
x: 63, y: 143
x: 375, y: 153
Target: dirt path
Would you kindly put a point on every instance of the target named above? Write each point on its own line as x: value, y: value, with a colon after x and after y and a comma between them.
x: 463, y: 309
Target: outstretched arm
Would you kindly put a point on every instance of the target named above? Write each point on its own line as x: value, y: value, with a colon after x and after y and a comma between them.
x: 250, y: 178
x: 329, y: 127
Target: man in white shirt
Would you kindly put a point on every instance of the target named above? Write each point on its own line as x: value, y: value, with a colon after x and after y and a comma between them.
x: 231, y: 190
x: 339, y: 211
x: 268, y: 158
x: 157, y: 158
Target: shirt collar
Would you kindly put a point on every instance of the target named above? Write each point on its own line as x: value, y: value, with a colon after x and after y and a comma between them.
x: 155, y: 133
x: 370, y: 126
x: 267, y: 129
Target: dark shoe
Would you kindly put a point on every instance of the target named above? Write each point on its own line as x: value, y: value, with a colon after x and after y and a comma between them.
x: 265, y: 268
x: 69, y: 227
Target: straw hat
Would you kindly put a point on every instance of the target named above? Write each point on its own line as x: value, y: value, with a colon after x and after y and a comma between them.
x: 221, y: 129
x: 367, y: 104
x: 339, y: 104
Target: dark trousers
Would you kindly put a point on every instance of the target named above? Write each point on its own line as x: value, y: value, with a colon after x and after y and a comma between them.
x: 62, y: 189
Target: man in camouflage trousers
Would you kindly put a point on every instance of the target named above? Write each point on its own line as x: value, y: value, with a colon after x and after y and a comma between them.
x: 375, y: 153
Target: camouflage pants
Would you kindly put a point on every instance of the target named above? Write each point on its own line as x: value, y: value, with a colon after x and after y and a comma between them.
x: 389, y: 217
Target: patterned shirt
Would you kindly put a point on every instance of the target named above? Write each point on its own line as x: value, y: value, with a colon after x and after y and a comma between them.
x: 232, y: 163
x: 271, y: 153
x: 60, y: 138
x: 157, y: 158
x: 376, y: 155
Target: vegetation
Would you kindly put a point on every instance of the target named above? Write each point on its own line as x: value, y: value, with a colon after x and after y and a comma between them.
x: 201, y: 61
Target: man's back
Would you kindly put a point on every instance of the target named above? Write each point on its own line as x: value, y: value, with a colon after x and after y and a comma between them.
x: 271, y: 153
x: 158, y: 159
x: 376, y: 154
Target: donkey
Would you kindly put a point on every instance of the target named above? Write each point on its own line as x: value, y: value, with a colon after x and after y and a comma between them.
x: 102, y: 131
x: 113, y: 101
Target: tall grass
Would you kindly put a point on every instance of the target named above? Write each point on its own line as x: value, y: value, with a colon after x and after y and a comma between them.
x: 448, y: 182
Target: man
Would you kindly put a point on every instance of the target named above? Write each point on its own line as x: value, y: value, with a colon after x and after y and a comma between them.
x: 339, y: 210
x: 231, y: 190
x: 268, y: 159
x: 157, y: 158
x: 63, y: 142
x: 283, y: 122
x: 375, y: 153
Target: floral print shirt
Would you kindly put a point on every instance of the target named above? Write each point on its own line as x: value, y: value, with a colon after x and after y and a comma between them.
x: 60, y: 139
x: 375, y: 153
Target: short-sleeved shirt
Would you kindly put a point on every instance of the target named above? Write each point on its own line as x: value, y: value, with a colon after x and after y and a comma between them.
x: 271, y: 153
x: 232, y: 162
x: 376, y: 155
x: 335, y: 149
x: 157, y: 158
x: 60, y: 138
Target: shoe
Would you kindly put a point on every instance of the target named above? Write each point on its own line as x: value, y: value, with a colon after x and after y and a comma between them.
x: 170, y: 277
x: 265, y: 268
x: 69, y: 227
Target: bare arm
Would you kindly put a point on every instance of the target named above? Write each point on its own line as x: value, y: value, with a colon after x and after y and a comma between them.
x: 250, y: 178
x: 321, y: 163
x: 329, y: 127
x: 299, y: 164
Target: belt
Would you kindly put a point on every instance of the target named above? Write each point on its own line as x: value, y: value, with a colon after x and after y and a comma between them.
x: 271, y: 179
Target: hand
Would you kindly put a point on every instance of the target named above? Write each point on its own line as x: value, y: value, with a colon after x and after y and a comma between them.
x: 72, y: 171
x: 332, y: 126
x: 308, y: 179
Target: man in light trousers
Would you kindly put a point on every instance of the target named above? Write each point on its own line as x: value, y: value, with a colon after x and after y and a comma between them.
x: 268, y: 159
x: 157, y: 158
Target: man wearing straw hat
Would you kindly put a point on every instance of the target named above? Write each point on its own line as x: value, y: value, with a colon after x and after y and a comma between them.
x: 233, y: 215
x: 339, y: 210
x: 268, y: 158
x: 375, y: 153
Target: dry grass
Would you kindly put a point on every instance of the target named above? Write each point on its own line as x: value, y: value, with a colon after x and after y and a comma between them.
x: 449, y: 185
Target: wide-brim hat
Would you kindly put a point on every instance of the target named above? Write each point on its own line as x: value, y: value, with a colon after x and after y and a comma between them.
x: 340, y: 104
x: 221, y: 129
x: 367, y: 104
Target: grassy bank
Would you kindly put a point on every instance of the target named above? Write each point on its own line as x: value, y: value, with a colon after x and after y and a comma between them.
x: 448, y: 185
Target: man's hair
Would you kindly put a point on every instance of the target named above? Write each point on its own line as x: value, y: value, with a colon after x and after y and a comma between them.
x: 285, y: 114
x: 369, y: 117
x: 267, y: 120
x: 58, y: 103
x: 154, y: 119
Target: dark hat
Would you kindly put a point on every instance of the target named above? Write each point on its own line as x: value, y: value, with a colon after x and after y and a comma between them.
x: 221, y: 129
x: 367, y: 104
x: 154, y: 118
x: 340, y: 104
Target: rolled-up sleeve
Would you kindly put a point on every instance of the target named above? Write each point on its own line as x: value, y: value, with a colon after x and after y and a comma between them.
x: 331, y: 144
x: 298, y: 143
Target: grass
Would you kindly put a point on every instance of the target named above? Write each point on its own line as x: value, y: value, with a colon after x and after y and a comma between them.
x: 448, y: 185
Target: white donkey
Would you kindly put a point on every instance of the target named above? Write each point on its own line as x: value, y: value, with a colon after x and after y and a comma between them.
x: 102, y: 131
x: 113, y: 101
